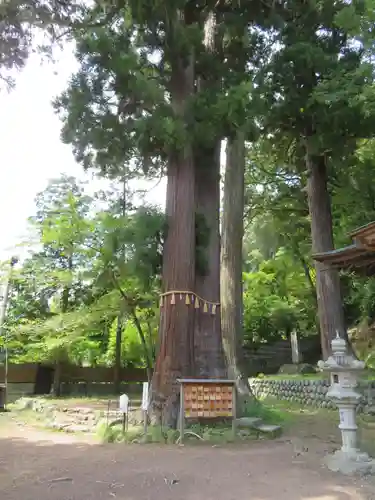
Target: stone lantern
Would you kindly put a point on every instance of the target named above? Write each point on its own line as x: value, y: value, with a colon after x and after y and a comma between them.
x: 344, y: 370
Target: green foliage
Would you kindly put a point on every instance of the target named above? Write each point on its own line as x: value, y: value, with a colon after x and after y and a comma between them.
x: 277, y: 300
x: 131, y: 244
x: 132, y: 350
x: 215, y: 433
x: 120, y: 104
x: 90, y: 268
x: 21, y: 19
x: 322, y: 76
x: 317, y: 94
x: 279, y: 282
x: 266, y: 413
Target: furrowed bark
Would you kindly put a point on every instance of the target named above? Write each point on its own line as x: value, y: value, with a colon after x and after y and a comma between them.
x: 328, y: 290
x: 231, y: 265
x: 209, y: 356
x: 174, y: 358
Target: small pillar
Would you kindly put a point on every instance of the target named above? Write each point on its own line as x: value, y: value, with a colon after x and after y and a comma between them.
x: 294, y: 342
x: 344, y: 370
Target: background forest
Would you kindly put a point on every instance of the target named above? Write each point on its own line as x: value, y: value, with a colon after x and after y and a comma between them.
x: 286, y: 89
x: 67, y: 297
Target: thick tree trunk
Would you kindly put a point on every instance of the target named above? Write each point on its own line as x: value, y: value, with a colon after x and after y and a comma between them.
x: 117, y: 367
x: 208, y: 350
x: 330, y: 309
x: 209, y: 356
x: 174, y: 357
x: 231, y: 264
x: 56, y: 386
x: 190, y: 338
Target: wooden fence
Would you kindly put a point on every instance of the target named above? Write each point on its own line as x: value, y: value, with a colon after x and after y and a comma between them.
x: 20, y: 374
x: 101, y: 374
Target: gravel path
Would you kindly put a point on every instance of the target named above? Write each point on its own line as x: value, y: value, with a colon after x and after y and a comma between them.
x: 38, y: 465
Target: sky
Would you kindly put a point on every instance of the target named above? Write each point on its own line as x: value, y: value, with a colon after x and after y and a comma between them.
x: 30, y: 148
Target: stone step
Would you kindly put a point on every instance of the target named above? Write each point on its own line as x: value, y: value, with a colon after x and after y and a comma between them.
x: 248, y: 422
x: 257, y: 424
x: 69, y: 427
x: 271, y: 430
x: 86, y: 423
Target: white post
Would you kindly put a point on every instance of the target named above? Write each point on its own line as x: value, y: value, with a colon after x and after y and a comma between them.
x: 124, y: 407
x: 145, y: 405
x: 296, y: 358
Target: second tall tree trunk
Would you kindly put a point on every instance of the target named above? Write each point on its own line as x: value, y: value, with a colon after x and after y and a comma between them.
x: 209, y: 356
x: 330, y: 308
x: 231, y: 264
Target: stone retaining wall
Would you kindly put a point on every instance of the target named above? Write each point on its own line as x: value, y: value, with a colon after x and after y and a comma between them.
x: 305, y: 392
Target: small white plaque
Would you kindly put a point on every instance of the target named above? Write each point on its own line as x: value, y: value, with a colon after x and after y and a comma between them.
x: 145, y: 396
x: 124, y: 403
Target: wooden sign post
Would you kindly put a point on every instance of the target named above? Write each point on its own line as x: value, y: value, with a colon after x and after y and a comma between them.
x: 207, y: 398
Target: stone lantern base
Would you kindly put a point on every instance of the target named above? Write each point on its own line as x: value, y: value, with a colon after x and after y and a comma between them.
x: 350, y: 463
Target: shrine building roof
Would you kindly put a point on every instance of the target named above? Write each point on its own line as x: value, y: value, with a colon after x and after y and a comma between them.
x: 358, y: 257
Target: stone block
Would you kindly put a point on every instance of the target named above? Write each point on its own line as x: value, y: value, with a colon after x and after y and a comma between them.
x: 268, y: 429
x: 248, y: 422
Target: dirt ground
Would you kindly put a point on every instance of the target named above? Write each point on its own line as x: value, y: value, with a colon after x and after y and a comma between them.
x: 39, y: 465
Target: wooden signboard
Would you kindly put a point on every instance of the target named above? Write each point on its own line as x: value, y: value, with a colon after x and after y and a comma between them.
x: 205, y: 398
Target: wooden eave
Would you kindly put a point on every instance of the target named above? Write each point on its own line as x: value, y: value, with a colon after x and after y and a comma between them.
x: 365, y: 235
x: 358, y: 257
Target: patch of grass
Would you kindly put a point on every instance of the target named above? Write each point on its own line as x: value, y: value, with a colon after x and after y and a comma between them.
x: 31, y: 417
x: 215, y: 433
x: 292, y: 412
x: 195, y: 433
x: 115, y: 434
x: 269, y: 412
x: 321, y: 419
x: 156, y: 434
x: 135, y: 434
